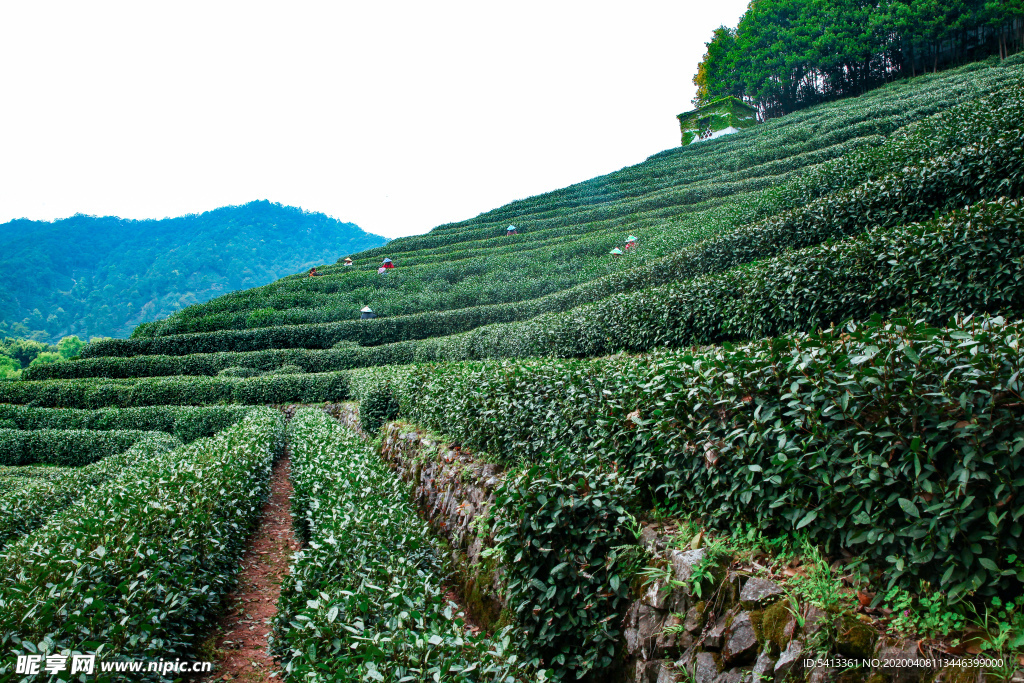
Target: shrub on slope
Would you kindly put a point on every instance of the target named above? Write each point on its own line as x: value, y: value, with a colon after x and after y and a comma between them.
x: 240, y: 364
x: 163, y: 391
x: 140, y: 565
x: 65, y: 447
x: 879, y: 112
x: 32, y: 504
x: 559, y: 529
x: 187, y: 423
x: 365, y: 600
x: 257, y: 307
x: 898, y: 442
x: 969, y: 260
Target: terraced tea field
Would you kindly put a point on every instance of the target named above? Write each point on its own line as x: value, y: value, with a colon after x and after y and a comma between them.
x: 787, y: 423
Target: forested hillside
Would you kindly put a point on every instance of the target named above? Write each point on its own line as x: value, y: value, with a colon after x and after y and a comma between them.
x: 101, y: 276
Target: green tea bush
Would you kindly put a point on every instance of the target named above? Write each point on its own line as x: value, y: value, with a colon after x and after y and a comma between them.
x: 230, y: 371
x: 51, y: 491
x: 362, y: 382
x: 138, y: 569
x: 38, y: 472
x: 378, y: 406
x: 558, y: 527
x: 898, y: 442
x: 969, y: 260
x: 64, y: 447
x: 287, y: 369
x: 365, y: 598
x: 11, y: 485
x: 165, y: 391
x: 242, y: 365
x: 186, y: 423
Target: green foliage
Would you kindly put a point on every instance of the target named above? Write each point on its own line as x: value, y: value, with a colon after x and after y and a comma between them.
x: 24, y: 351
x: 9, y: 368
x: 154, y: 551
x: 186, y: 423
x: 287, y: 369
x: 362, y: 383
x: 1003, y: 628
x: 869, y: 440
x: 926, y: 612
x: 560, y: 527
x: 818, y: 586
x: 184, y: 391
x: 716, y: 115
x: 90, y: 276
x: 385, y: 616
x: 898, y: 442
x: 230, y: 371
x: 223, y: 364
x: 969, y: 260
x: 28, y: 507
x: 377, y: 407
x: 716, y: 74
x: 65, y: 447
x: 18, y: 353
x: 70, y: 347
x: 46, y: 358
x: 788, y: 54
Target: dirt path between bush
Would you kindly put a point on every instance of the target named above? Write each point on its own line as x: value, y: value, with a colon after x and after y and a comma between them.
x: 241, y: 635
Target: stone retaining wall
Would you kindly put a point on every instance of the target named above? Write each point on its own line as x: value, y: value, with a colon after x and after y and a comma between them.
x: 742, y: 629
x: 745, y: 629
x: 347, y: 414
x: 454, y: 493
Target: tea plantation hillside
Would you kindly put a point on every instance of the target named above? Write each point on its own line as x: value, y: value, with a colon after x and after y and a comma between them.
x: 784, y: 426
x: 559, y: 259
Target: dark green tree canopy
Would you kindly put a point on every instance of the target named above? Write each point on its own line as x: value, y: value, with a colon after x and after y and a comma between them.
x: 788, y: 54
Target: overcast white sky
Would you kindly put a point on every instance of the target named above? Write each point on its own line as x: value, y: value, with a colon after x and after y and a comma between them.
x: 397, y: 116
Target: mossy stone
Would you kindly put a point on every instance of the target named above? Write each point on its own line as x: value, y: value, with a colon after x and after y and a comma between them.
x: 756, y: 620
x: 854, y: 638
x: 773, y: 625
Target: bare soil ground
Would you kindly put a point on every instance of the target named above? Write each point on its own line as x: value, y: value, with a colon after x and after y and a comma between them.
x: 240, y: 640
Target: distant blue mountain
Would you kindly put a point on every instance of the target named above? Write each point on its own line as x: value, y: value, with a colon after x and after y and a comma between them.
x: 94, y: 276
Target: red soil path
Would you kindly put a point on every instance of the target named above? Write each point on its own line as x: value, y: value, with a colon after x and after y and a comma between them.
x: 241, y: 635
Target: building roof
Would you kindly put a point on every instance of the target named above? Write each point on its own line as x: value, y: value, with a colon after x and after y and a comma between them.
x: 717, y: 104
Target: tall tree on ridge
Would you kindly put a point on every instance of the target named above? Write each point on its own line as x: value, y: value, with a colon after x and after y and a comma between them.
x: 716, y: 74
x: 789, y: 54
